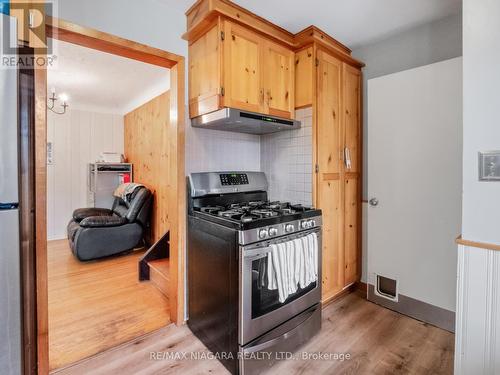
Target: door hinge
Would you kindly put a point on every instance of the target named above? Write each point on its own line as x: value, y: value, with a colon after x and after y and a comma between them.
x: 317, y: 62
x: 316, y: 168
x: 222, y: 91
x: 222, y: 35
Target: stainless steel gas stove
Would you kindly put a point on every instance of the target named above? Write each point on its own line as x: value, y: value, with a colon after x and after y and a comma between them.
x: 231, y: 229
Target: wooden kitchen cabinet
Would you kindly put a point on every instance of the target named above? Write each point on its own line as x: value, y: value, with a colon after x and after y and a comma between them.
x: 329, y: 185
x: 238, y: 59
x: 279, y: 80
x: 243, y: 68
x: 233, y: 66
x: 204, y: 73
x: 338, y: 166
x: 304, y: 77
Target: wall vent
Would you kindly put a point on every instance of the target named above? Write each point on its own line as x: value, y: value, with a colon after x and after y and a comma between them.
x: 387, y: 288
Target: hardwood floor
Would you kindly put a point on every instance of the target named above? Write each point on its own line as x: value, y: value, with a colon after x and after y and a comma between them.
x: 378, y: 340
x: 94, y: 306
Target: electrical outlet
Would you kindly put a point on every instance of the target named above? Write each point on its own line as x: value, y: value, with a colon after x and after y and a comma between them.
x: 489, y: 166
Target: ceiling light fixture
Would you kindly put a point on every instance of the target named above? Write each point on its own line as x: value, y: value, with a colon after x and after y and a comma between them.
x: 53, y: 99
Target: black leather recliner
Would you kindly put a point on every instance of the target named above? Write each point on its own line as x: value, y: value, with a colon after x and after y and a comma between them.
x: 100, y: 232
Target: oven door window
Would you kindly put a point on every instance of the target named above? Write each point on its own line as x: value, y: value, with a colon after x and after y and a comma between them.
x: 265, y: 300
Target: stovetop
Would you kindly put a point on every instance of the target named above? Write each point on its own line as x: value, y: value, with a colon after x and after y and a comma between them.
x: 255, y: 214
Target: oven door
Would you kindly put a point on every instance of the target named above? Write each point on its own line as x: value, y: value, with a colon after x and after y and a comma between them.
x: 260, y: 309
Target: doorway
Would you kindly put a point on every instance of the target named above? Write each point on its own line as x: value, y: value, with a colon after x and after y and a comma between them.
x: 414, y: 187
x: 93, y: 39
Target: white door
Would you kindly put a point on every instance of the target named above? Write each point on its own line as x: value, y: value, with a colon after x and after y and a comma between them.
x: 415, y: 175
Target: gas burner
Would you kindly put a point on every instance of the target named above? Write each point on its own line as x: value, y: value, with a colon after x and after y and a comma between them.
x: 276, y: 205
x: 212, y: 209
x: 287, y: 211
x: 246, y: 218
x: 265, y: 213
x: 256, y: 203
x: 229, y: 213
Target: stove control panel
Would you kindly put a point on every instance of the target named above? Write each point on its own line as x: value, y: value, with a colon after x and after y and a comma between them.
x: 228, y: 179
x: 270, y: 233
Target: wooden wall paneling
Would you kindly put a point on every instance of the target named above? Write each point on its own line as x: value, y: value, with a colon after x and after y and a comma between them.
x: 329, y: 185
x: 204, y: 73
x: 147, y: 148
x: 242, y: 69
x: 279, y: 80
x: 304, y: 77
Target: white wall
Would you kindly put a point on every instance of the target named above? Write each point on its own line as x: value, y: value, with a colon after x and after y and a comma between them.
x: 481, y: 213
x: 286, y: 158
x: 422, y: 45
x: 477, y: 346
x: 78, y: 137
x: 148, y: 21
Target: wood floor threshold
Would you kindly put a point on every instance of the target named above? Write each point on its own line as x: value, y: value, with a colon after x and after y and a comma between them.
x: 113, y: 349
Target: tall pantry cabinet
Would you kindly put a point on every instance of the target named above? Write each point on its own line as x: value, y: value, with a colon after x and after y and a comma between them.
x: 331, y: 84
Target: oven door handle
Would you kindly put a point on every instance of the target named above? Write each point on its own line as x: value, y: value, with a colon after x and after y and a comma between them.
x: 257, y: 253
x: 287, y: 335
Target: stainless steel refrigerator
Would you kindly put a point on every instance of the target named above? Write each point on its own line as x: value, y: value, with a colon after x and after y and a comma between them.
x: 10, y: 274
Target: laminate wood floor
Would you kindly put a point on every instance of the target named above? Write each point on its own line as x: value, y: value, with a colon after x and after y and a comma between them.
x: 94, y: 306
x: 378, y: 340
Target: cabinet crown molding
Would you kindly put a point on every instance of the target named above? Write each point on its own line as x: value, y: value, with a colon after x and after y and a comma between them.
x: 204, y: 13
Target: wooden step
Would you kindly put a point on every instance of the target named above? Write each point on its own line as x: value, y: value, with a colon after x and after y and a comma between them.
x: 160, y: 274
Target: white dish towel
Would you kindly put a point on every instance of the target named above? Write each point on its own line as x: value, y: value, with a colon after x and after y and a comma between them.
x: 292, y: 264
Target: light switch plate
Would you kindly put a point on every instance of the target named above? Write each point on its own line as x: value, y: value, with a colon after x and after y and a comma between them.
x: 489, y: 166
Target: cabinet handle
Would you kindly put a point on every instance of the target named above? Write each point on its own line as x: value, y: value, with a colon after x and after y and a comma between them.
x: 347, y: 158
x: 268, y: 97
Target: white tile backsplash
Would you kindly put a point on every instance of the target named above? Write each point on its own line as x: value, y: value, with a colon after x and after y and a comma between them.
x: 214, y: 150
x: 286, y: 158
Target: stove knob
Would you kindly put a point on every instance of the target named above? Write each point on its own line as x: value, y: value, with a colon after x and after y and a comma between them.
x: 262, y: 233
x: 311, y: 224
x: 303, y: 224
x: 273, y: 232
x: 289, y: 228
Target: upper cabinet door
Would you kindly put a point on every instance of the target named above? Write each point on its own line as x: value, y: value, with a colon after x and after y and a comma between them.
x: 279, y: 80
x: 243, y: 69
x: 329, y: 116
x: 204, y: 73
x: 352, y: 116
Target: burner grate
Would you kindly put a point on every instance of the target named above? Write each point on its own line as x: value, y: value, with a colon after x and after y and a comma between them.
x: 254, y: 210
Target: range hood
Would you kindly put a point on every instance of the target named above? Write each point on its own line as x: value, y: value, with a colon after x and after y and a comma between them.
x: 236, y: 120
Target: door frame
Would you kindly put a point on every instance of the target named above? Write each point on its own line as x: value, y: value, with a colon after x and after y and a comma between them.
x: 94, y: 39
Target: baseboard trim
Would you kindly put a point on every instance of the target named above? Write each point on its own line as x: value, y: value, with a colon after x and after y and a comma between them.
x: 362, y: 289
x: 419, y: 310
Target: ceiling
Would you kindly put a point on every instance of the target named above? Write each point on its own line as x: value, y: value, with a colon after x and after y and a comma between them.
x: 352, y: 22
x: 102, y: 82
